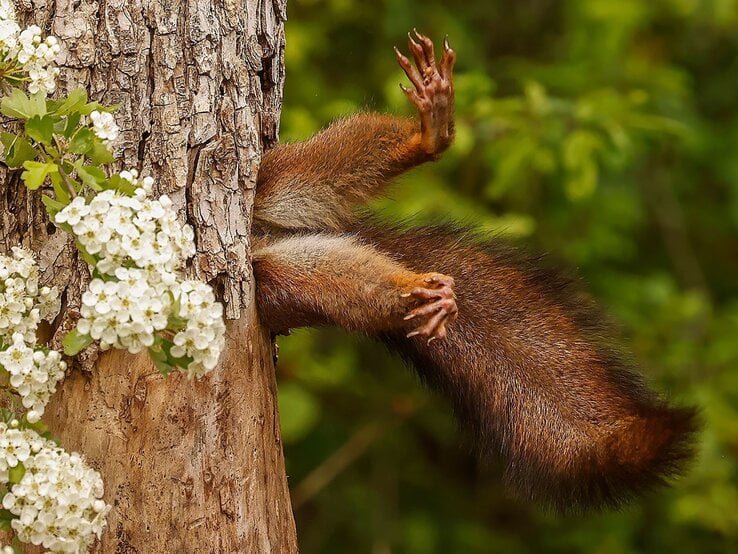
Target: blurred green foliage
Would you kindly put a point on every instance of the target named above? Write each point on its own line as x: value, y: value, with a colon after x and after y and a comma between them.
x: 605, y: 132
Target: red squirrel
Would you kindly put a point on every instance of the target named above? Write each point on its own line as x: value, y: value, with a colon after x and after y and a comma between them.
x: 519, y: 349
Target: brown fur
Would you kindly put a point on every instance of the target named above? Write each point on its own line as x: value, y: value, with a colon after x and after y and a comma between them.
x: 316, y: 184
x: 528, y: 365
x: 309, y: 279
x: 531, y: 371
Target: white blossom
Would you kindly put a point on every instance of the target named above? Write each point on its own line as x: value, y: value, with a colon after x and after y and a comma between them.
x: 140, y: 247
x: 203, y: 337
x: 22, y: 302
x: 115, y: 227
x: 9, y: 31
x: 58, y: 501
x: 32, y: 373
x: 27, y: 52
x: 104, y: 126
x: 125, y: 313
x: 37, y: 56
x: 7, y: 10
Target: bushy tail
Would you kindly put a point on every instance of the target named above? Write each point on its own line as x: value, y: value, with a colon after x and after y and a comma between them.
x: 532, y: 374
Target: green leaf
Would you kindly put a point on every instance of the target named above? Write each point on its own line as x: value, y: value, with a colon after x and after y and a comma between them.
x: 8, y: 139
x: 182, y: 362
x: 100, y: 154
x: 159, y: 357
x: 92, y: 176
x: 17, y: 149
x: 75, y: 342
x: 72, y: 124
x: 49, y: 202
x: 15, y: 474
x: 86, y: 256
x: 52, y: 206
x: 60, y: 190
x: 6, y: 516
x: 17, y: 105
x: 87, y: 109
x: 82, y: 141
x: 175, y: 323
x: 36, y: 173
x: 116, y: 182
x: 41, y: 129
x: 72, y: 103
x: 40, y: 427
x: 6, y: 416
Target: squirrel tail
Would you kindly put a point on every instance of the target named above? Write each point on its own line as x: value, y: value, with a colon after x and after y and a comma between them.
x: 534, y: 377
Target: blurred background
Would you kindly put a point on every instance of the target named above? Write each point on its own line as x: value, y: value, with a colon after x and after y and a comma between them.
x: 604, y: 132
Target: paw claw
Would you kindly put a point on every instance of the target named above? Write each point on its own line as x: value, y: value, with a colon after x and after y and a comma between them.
x: 434, y: 92
x: 437, y: 308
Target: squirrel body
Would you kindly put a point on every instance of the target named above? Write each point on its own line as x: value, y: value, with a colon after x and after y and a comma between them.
x: 521, y: 351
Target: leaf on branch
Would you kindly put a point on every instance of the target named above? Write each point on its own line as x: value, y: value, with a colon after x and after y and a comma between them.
x: 17, y: 149
x: 6, y: 516
x: 60, y: 191
x: 36, y: 173
x: 71, y: 124
x: 15, y: 474
x: 86, y: 256
x: 100, y: 154
x: 116, y: 182
x: 19, y: 106
x: 67, y: 106
x: 52, y: 206
x: 41, y: 129
x: 87, y: 109
x: 82, y: 141
x: 159, y: 357
x: 92, y: 176
x: 74, y: 342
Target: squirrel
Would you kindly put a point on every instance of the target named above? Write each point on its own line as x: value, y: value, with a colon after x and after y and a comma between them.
x: 523, y: 354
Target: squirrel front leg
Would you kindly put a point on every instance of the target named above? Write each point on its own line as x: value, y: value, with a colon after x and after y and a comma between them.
x: 316, y: 184
x: 320, y: 279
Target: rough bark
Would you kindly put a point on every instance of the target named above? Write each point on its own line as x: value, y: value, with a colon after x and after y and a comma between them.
x: 189, y: 466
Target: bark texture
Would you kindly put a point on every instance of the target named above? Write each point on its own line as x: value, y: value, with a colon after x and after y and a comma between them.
x: 188, y: 466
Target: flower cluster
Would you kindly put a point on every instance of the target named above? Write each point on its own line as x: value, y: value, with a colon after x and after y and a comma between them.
x: 34, y: 55
x: 125, y: 313
x: 139, y: 248
x: 34, y: 373
x: 56, y: 497
x: 104, y: 126
x: 22, y: 303
x: 114, y: 227
x: 203, y: 335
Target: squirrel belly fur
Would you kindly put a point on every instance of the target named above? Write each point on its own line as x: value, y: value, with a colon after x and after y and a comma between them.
x: 519, y: 349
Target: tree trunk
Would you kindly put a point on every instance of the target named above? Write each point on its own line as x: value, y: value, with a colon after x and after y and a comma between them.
x: 189, y: 466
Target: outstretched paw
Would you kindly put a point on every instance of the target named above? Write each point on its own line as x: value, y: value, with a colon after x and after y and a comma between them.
x: 434, y: 91
x: 438, y: 306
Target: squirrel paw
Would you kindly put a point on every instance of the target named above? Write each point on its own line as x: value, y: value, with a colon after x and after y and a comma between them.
x: 434, y: 91
x: 438, y: 306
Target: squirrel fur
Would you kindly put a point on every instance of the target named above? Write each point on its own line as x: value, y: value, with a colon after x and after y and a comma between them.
x: 520, y: 349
